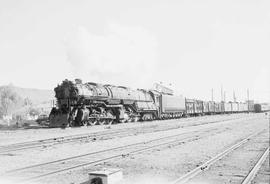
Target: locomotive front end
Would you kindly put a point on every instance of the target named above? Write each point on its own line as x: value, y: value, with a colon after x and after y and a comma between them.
x: 66, y: 94
x: 69, y: 97
x: 76, y: 101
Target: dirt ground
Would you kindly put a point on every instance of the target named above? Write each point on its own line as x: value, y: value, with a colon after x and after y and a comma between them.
x: 159, y: 165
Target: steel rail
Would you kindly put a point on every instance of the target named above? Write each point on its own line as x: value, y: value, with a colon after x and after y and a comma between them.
x: 186, y: 177
x: 248, y: 179
x: 119, y: 155
x: 106, y: 150
x: 64, y: 139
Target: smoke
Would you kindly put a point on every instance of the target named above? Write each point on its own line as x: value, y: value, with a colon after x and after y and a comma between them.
x: 121, y: 56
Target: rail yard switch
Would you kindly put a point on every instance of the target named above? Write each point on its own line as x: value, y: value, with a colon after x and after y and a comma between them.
x: 106, y: 176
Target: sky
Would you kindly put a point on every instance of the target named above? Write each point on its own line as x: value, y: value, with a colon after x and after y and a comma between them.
x: 190, y: 46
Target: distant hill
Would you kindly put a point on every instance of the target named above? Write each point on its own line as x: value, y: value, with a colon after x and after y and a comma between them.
x: 36, y: 96
x: 17, y: 100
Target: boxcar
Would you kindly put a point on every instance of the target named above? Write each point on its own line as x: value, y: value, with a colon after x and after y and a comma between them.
x: 217, y: 107
x: 250, y: 105
x: 257, y: 108
x: 205, y: 107
x: 235, y: 107
x: 245, y: 107
x: 264, y: 107
x: 222, y: 107
x: 211, y: 107
x: 241, y: 107
x: 198, y: 107
x: 228, y: 107
x: 190, y: 103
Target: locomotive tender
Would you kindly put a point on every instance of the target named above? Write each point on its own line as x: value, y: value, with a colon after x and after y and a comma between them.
x: 91, y: 103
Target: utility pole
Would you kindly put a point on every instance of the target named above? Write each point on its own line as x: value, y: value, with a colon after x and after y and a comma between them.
x: 224, y: 96
x: 221, y: 94
x: 212, y: 95
x: 234, y: 98
x: 248, y: 99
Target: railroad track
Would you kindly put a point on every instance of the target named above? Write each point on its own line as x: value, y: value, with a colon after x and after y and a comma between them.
x: 203, y: 167
x: 39, y: 171
x: 108, y: 134
x: 251, y: 175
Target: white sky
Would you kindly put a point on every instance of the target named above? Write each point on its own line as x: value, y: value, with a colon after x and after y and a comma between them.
x: 194, y: 45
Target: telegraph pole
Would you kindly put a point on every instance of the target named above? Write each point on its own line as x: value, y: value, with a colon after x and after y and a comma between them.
x: 224, y: 96
x: 221, y: 94
x: 212, y: 95
x: 248, y: 98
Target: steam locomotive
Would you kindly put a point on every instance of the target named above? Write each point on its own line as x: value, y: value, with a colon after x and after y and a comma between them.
x: 90, y: 103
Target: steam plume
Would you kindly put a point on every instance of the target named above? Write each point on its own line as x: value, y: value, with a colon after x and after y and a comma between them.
x: 122, y: 56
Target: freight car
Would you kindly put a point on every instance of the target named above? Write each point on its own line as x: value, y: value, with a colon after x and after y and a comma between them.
x: 243, y: 107
x: 264, y: 107
x: 205, y: 107
x: 90, y: 103
x: 211, y: 107
x: 234, y: 107
x: 190, y: 103
x: 228, y: 107
x: 198, y: 107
